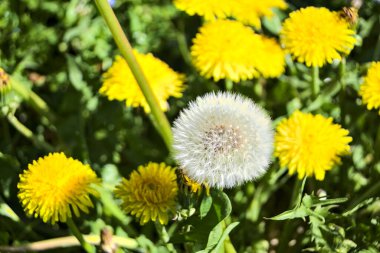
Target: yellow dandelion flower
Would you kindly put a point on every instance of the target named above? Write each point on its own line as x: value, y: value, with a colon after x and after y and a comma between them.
x: 225, y: 49
x: 249, y: 12
x: 150, y: 193
x: 270, y: 59
x: 310, y: 144
x: 316, y: 36
x: 370, y: 89
x: 55, y: 186
x: 209, y: 9
x: 120, y: 84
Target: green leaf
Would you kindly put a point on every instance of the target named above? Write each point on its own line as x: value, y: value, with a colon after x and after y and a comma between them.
x: 221, y: 204
x: 324, y: 202
x: 226, y: 232
x: 300, y: 212
x: 207, y: 230
x: 205, y: 206
x: 218, y: 236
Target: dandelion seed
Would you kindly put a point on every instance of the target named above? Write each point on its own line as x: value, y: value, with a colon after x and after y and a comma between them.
x: 56, y: 186
x: 370, y: 89
x: 316, y: 36
x: 223, y: 140
x: 310, y: 144
x: 150, y: 193
x: 120, y: 84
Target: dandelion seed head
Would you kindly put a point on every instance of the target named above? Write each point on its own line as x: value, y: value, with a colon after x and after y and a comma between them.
x: 223, y: 140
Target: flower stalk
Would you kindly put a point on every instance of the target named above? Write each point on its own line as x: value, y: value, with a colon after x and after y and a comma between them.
x: 26, y: 132
x: 125, y: 48
x: 229, y: 84
x: 33, y: 99
x: 315, y: 81
x: 342, y: 71
x: 74, y: 229
x: 161, y: 230
x: 295, y: 201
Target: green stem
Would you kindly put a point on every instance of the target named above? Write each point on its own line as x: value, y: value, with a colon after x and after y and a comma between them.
x: 342, y: 95
x: 182, y: 43
x: 161, y: 230
x: 270, y: 183
x: 291, y: 65
x: 376, y: 52
x: 74, y: 229
x: 33, y: 99
x: 342, y: 72
x: 315, y: 81
x: 287, y: 230
x: 26, y: 132
x: 373, y: 191
x: 377, y: 145
x: 228, y: 246
x: 229, y: 84
x: 127, y: 52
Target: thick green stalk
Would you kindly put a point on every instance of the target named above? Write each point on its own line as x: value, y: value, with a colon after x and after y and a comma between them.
x: 74, y: 229
x: 127, y: 52
x: 315, y: 81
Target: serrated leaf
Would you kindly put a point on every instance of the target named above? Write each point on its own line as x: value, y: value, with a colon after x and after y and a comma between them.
x: 300, y: 212
x: 323, y: 202
x: 218, y: 236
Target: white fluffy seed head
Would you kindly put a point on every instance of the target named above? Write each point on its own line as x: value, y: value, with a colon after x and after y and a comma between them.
x: 223, y: 140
